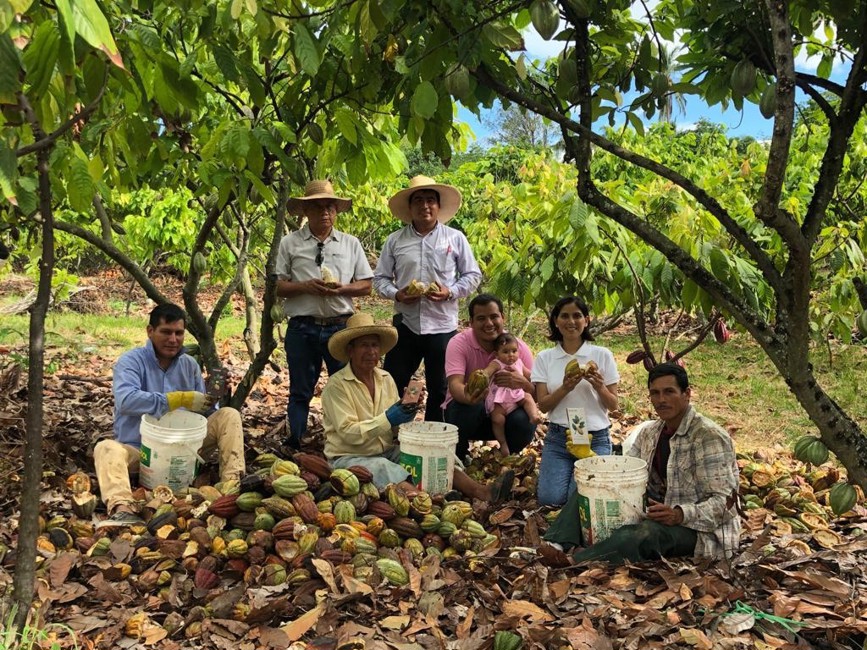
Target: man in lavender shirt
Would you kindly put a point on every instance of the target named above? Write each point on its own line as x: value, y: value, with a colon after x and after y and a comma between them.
x: 473, y: 349
x: 427, y: 251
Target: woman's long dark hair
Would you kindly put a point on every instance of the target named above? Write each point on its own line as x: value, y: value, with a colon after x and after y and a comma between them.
x: 554, y: 333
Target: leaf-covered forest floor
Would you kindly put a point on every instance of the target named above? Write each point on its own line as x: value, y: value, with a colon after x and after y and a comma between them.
x: 790, y: 586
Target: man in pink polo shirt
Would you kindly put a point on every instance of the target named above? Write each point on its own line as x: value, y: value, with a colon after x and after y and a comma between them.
x: 473, y: 349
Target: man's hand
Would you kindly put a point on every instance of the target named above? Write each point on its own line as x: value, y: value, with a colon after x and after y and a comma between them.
x: 509, y: 379
x: 663, y: 514
x: 191, y: 400
x: 442, y: 295
x: 406, y: 298
x: 398, y: 413
x: 318, y: 287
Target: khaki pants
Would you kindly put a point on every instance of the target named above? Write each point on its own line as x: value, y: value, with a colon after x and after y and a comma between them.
x: 114, y: 460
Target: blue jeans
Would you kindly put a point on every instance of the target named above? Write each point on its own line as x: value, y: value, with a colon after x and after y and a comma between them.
x: 556, y: 481
x: 306, y: 349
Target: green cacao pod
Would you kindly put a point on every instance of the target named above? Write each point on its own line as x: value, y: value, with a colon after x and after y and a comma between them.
x: 277, y: 313
x: 200, y: 264
x: 474, y: 528
x: 457, y: 81
x: 264, y: 521
x: 285, y: 467
x: 415, y: 547
x: 389, y: 538
x: 582, y: 8
x: 660, y: 85
x: 453, y: 514
x: 344, y: 512
x: 430, y: 523
x: 861, y: 323
x: 288, y: 485
x: 768, y: 102
x: 279, y: 507
x: 249, y: 501
x: 344, y: 482
x: 743, y: 77
x: 237, y: 548
x: 810, y: 449
x: 545, y: 17
x: 446, y: 529
x: 393, y: 571
x: 842, y: 498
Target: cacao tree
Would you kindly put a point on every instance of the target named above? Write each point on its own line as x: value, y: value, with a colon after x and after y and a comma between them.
x: 731, y: 53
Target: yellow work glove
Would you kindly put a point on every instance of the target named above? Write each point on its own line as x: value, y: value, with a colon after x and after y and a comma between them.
x: 580, y: 451
x: 189, y: 399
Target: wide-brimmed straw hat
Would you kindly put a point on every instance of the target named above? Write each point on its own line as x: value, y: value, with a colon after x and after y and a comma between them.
x: 317, y: 190
x: 450, y: 199
x: 358, y: 325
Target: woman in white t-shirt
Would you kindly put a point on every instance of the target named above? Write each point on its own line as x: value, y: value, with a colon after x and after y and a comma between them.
x: 595, y: 392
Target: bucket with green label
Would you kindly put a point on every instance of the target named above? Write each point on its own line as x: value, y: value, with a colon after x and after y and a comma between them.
x: 610, y: 494
x: 427, y: 452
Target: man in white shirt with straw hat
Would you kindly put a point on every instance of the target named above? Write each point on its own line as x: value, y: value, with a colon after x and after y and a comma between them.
x: 319, y: 271
x: 425, y: 267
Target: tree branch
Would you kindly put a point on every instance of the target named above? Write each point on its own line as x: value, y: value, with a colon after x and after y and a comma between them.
x: 109, y: 249
x: 763, y: 262
x: 104, y: 221
x: 48, y: 140
x: 852, y: 104
x: 767, y: 208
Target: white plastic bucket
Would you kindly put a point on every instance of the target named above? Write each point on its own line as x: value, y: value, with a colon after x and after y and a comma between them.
x: 610, y: 494
x: 427, y: 452
x: 170, y: 448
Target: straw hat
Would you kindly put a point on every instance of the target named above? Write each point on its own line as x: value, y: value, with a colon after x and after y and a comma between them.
x: 450, y: 199
x: 358, y: 325
x: 318, y: 190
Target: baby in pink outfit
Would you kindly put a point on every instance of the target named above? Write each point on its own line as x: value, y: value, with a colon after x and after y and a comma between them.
x: 501, y: 400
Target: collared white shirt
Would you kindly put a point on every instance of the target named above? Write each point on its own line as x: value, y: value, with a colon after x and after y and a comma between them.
x: 296, y: 262
x: 549, y: 368
x: 442, y: 255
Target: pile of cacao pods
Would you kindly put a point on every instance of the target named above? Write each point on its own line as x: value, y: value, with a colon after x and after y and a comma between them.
x: 266, y: 528
x: 806, y: 496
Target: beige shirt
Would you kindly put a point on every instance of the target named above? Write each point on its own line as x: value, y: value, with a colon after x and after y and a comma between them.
x: 354, y: 423
x: 296, y: 261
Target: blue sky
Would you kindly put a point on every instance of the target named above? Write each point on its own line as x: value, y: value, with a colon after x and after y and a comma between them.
x: 749, y: 121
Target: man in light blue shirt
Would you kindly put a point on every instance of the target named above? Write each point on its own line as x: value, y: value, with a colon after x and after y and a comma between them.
x: 320, y: 270
x: 152, y: 380
x: 425, y: 267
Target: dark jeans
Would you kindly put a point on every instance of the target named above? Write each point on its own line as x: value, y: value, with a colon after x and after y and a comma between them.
x: 306, y: 349
x: 404, y: 358
x: 474, y: 424
x: 647, y: 540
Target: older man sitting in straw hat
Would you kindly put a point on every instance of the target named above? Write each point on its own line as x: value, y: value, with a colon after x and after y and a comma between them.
x: 362, y: 410
x: 319, y: 270
x: 425, y: 267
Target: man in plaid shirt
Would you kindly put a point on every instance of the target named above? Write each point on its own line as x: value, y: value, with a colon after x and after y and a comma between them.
x: 692, y: 485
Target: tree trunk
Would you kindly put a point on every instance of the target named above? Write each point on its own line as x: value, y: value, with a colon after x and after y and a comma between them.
x: 24, y: 581
x: 252, y: 313
x: 267, y: 342
x: 839, y: 432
